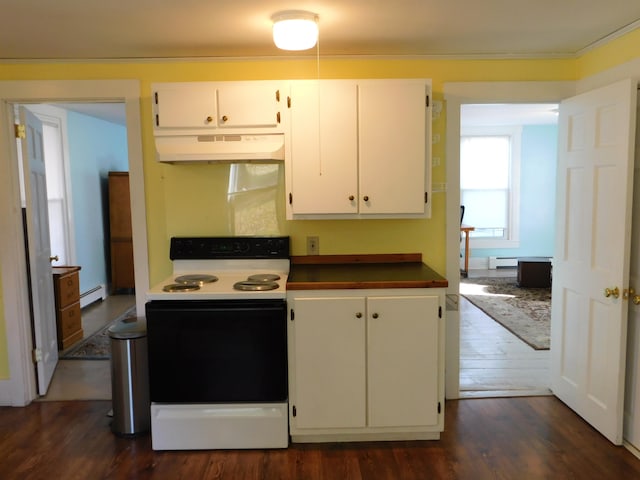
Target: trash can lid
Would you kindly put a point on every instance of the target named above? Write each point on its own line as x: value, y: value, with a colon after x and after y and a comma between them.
x: 130, y: 327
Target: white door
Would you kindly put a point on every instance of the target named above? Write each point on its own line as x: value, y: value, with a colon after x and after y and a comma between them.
x: 589, y: 326
x: 632, y: 384
x: 61, y: 234
x: 37, y: 223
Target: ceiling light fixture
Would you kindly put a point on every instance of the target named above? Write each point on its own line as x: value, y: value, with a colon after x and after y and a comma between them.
x: 295, y: 29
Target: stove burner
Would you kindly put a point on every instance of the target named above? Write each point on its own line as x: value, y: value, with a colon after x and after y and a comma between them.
x: 255, y: 286
x: 181, y: 287
x: 196, y: 279
x: 264, y: 277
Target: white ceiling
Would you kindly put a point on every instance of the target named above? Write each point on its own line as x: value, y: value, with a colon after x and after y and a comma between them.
x: 120, y: 29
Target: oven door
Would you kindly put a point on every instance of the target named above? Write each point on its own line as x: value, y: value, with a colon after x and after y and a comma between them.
x: 217, y: 351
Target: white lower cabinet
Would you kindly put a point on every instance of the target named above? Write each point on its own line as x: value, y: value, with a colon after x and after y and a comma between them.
x: 366, y: 365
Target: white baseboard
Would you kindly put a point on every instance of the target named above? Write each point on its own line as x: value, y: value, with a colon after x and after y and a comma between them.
x: 93, y: 295
x: 495, y: 262
x: 486, y: 263
x: 476, y: 263
x: 13, y: 394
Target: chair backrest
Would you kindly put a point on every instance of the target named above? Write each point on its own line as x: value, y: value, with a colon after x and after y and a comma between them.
x: 461, y: 213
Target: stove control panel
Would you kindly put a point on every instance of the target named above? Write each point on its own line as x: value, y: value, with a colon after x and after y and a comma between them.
x: 212, y: 248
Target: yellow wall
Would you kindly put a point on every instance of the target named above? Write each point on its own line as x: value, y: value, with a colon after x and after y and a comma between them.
x: 614, y: 53
x: 200, y: 208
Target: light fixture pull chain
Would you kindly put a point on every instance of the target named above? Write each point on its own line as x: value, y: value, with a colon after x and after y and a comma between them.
x: 319, y: 107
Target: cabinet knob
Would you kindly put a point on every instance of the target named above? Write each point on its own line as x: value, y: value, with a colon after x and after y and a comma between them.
x: 366, y: 198
x: 225, y: 118
x: 375, y: 315
x: 359, y: 315
x: 351, y: 198
x: 612, y: 292
x: 209, y: 119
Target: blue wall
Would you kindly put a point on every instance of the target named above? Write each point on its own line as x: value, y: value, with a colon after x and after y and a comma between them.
x: 538, y: 164
x: 95, y: 148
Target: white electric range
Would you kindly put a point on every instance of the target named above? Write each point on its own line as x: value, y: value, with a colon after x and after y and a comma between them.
x: 217, y: 344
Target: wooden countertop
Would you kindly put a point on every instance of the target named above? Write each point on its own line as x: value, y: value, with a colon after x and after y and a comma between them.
x: 323, y: 272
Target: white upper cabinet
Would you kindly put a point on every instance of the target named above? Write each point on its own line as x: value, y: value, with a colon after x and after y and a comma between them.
x: 393, y: 145
x: 360, y: 149
x: 324, y: 147
x: 257, y: 106
x: 180, y: 105
x: 239, y: 106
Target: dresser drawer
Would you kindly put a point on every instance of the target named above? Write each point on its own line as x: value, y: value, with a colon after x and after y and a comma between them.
x: 69, y: 326
x: 68, y: 289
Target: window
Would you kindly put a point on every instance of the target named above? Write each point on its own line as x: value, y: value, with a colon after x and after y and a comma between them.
x: 255, y: 198
x: 489, y: 184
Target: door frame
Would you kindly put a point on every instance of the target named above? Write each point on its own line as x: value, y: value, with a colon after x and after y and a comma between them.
x: 20, y: 388
x: 456, y: 94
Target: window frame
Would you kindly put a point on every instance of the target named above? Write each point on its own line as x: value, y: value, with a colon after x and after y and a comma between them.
x: 514, y: 132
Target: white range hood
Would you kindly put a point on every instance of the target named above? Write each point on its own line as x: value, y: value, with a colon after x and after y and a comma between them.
x: 220, y: 148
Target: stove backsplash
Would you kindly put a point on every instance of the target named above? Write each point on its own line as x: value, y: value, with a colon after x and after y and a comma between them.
x: 256, y: 199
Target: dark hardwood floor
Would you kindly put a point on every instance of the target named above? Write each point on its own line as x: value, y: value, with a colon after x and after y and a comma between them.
x: 500, y: 438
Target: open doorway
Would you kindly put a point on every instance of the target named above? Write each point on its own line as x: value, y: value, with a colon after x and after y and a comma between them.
x: 508, y: 155
x: 19, y: 387
x: 83, y: 143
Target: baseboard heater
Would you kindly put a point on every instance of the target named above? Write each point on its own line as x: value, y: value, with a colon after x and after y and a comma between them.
x: 501, y: 262
x: 93, y: 295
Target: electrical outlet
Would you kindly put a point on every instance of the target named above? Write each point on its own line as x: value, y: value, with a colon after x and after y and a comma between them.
x: 313, y: 246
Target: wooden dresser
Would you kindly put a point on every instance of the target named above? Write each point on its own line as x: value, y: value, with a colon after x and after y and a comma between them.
x: 120, y: 236
x: 66, y: 284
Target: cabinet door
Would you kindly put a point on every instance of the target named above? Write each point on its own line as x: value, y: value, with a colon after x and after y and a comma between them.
x: 249, y: 105
x: 122, y: 272
x: 393, y: 146
x: 185, y: 106
x: 402, y: 348
x: 119, y: 206
x: 329, y: 362
x: 324, y: 148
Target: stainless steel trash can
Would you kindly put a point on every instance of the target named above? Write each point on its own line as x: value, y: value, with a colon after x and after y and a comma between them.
x: 129, y: 377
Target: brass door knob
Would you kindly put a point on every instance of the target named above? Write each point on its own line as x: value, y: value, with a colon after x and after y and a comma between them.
x: 636, y: 299
x: 54, y: 258
x: 615, y: 292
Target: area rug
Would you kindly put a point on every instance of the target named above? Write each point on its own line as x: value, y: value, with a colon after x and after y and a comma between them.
x: 525, y: 312
x: 98, y: 345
